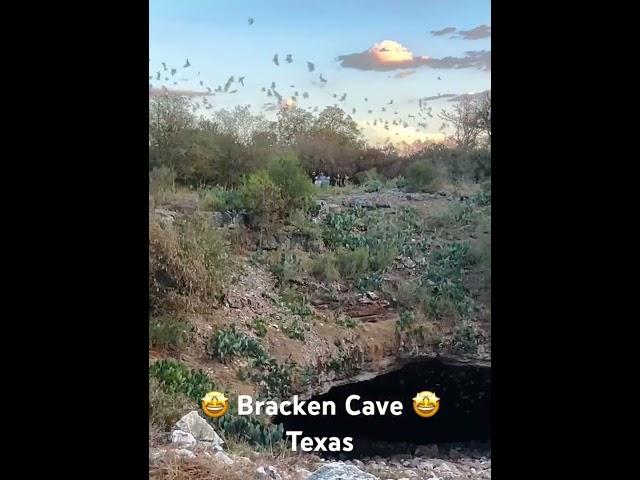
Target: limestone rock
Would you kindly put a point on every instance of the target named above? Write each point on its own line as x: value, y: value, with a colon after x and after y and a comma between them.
x: 197, y: 426
x: 340, y: 471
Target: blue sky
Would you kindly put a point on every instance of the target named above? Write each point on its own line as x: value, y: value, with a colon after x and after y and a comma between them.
x: 218, y: 41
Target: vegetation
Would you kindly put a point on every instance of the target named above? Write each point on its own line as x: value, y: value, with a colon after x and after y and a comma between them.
x: 228, y: 342
x: 169, y: 332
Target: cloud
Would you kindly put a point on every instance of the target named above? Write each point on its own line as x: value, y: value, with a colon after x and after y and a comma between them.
x: 481, y: 31
x: 444, y: 31
x: 383, y: 56
x: 480, y: 59
x: 158, y: 92
x: 436, y: 97
x: 457, y: 98
x: 405, y: 74
x: 389, y: 55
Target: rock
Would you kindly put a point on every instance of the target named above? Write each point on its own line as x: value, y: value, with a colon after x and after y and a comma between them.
x: 372, y: 295
x: 156, y: 453
x: 302, y: 473
x: 197, y: 426
x: 358, y: 202
x: 269, y: 472
x: 218, y: 219
x: 184, y: 439
x: 357, y: 463
x: 184, y: 453
x: 427, y: 450
x: 224, y: 458
x: 340, y: 471
x: 400, y: 456
x: 407, y: 262
x: 382, y: 204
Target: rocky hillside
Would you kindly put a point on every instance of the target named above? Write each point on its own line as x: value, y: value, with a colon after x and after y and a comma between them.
x: 353, y: 288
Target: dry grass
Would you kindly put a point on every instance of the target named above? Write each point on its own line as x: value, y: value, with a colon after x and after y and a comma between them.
x: 188, y: 261
x: 199, y: 468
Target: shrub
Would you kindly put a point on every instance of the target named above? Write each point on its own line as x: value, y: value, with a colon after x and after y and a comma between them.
x: 407, y: 294
x: 226, y: 343
x: 296, y: 303
x: 263, y: 198
x: 324, y: 267
x: 250, y: 429
x: 347, y: 322
x: 286, y: 267
x: 353, y: 263
x: 405, y: 321
x: 464, y: 338
x: 161, y: 178
x: 166, y: 407
x: 373, y: 185
x: 277, y: 379
x: 220, y: 199
x: 186, y: 258
x: 381, y: 254
x: 174, y: 377
x: 442, y: 289
x: 370, y: 281
x: 422, y: 177
x: 294, y: 329
x: 296, y: 188
x: 168, y: 331
x: 259, y: 326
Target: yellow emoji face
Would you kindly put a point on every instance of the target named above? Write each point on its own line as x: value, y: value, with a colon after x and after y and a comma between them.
x: 426, y: 404
x: 215, y: 404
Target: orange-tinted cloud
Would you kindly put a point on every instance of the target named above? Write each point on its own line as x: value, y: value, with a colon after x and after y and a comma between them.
x: 386, y: 55
x: 389, y: 55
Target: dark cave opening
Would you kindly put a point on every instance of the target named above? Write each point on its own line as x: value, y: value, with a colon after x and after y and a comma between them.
x: 464, y: 414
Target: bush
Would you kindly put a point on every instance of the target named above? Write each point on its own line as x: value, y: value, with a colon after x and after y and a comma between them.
x: 263, y: 198
x: 161, y: 178
x: 219, y: 199
x: 227, y: 343
x: 294, y: 329
x: 166, y: 407
x: 296, y: 303
x: 286, y: 267
x: 250, y: 429
x: 295, y: 187
x: 260, y: 327
x: 353, y: 263
x: 442, y: 289
x: 176, y: 378
x: 422, y: 177
x: 168, y: 331
x: 405, y: 321
x: 464, y: 339
x: 373, y: 185
x: 325, y: 268
x: 187, y: 258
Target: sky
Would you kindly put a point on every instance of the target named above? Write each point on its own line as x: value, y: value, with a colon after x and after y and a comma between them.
x: 402, y: 50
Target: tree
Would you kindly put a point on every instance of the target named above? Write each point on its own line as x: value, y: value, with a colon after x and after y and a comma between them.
x: 240, y: 122
x: 483, y: 113
x: 168, y: 115
x: 464, y: 119
x: 334, y: 122
x: 293, y: 122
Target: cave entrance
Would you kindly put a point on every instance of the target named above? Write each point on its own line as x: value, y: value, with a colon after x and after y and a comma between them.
x: 464, y: 414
